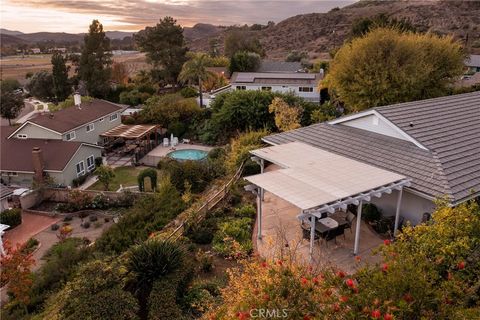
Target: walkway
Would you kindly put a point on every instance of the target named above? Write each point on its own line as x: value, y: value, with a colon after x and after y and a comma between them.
x: 31, y: 225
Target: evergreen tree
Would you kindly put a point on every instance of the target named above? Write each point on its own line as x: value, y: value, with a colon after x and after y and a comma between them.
x: 95, y: 61
x: 61, y: 85
x: 165, y: 48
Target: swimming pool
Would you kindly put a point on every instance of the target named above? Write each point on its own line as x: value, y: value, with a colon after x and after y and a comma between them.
x: 188, y: 154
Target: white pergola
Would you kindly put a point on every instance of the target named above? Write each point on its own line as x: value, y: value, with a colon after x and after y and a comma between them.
x: 319, y: 182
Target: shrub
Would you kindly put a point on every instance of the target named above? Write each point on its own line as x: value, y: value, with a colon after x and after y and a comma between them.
x: 54, y: 227
x: 150, y: 213
x: 202, y: 233
x: 30, y: 245
x: 11, y: 217
x: 201, y: 295
x: 246, y: 211
x: 205, y: 259
x: 86, y: 225
x: 189, y: 92
x: 196, y: 173
x: 68, y: 217
x: 101, y: 201
x: 371, y: 213
x: 98, y: 161
x: 97, y: 293
x: 151, y: 174
x: 92, y: 218
x: 79, y: 181
x: 106, y: 219
x: 233, y: 238
x: 241, y: 147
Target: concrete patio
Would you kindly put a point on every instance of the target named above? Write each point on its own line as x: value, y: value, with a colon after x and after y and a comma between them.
x: 280, y: 226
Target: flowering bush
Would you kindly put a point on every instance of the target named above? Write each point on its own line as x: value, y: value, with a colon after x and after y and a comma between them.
x: 431, y: 271
x: 233, y: 237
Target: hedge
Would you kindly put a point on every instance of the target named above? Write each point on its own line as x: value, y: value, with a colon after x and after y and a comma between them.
x: 11, y: 217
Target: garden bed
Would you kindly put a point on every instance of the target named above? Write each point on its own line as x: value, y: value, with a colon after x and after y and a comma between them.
x: 124, y: 176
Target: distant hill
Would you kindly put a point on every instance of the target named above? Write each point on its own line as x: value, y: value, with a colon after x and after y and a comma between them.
x: 10, y: 32
x: 318, y: 33
x: 200, y: 31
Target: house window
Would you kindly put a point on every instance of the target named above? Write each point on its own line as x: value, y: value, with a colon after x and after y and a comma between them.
x: 9, y: 173
x: 70, y: 136
x: 90, y: 163
x: 22, y: 136
x: 267, y: 88
x: 113, y: 117
x: 101, y: 119
x: 305, y: 89
x: 80, y: 168
x: 241, y: 88
x: 90, y: 127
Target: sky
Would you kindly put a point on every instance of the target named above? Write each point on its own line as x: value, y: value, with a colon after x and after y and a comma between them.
x: 74, y: 16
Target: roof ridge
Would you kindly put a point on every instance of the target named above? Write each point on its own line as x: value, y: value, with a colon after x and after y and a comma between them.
x: 442, y: 176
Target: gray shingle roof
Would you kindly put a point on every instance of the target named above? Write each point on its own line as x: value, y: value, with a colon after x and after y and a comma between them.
x: 279, y: 66
x: 448, y: 126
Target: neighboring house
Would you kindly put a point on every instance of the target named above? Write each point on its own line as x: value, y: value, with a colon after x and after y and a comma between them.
x: 473, y: 63
x: 83, y: 122
x: 304, y: 85
x: 5, y: 193
x: 434, y: 142
x: 280, y: 66
x: 29, y: 160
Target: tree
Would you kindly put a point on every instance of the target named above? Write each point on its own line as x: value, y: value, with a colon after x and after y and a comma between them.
x: 61, y: 85
x: 11, y: 105
x: 41, y: 85
x: 105, y: 175
x: 119, y: 73
x: 15, y: 266
x: 238, y: 40
x: 244, y: 62
x: 95, y: 61
x: 296, y: 56
x: 286, y: 117
x: 149, y: 261
x: 387, y: 66
x: 195, y: 71
x: 169, y: 109
x: 165, y: 48
x: 9, y: 85
x: 362, y: 26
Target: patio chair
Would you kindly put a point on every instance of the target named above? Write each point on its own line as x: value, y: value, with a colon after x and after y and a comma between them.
x: 349, y: 218
x: 175, y: 141
x: 186, y: 141
x: 306, y: 232
x: 165, y: 142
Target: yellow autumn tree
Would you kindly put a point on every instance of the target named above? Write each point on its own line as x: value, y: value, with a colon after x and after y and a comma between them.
x: 389, y: 66
x: 286, y: 117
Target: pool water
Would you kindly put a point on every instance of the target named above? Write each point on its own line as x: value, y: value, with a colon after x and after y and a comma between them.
x: 188, y: 154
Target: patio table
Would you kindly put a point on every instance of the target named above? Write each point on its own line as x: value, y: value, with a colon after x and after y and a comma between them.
x: 329, y: 222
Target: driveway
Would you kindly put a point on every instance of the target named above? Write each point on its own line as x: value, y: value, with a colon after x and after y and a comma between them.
x: 28, y: 108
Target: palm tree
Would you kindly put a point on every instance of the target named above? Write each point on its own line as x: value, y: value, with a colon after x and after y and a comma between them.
x: 195, y: 70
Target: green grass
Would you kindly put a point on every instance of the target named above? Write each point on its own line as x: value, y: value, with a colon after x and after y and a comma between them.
x: 125, y: 176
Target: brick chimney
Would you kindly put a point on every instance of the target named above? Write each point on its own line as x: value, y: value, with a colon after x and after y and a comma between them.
x: 38, y: 164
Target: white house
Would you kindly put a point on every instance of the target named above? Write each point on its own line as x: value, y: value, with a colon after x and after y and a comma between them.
x: 304, y: 85
x: 431, y: 147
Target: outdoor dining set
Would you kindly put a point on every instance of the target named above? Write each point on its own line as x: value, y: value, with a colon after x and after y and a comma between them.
x: 330, y: 227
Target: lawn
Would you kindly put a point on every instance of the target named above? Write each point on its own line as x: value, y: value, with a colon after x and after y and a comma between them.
x: 125, y: 176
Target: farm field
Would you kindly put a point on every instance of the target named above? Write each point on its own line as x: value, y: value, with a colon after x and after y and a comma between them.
x: 16, y: 67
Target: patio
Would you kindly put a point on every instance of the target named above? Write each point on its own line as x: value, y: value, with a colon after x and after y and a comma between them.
x: 307, y: 193
x: 280, y: 226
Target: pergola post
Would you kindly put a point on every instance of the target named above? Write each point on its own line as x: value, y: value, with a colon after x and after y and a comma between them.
x: 397, y: 212
x: 262, y: 167
x: 312, y: 236
x: 357, y: 228
x: 259, y: 213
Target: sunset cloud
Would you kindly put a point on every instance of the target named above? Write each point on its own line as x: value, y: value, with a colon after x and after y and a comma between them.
x: 133, y: 15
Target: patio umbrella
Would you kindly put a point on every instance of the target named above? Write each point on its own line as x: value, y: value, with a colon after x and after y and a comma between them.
x: 171, y: 139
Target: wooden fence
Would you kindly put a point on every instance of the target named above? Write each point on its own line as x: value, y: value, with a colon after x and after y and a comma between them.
x: 196, y: 214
